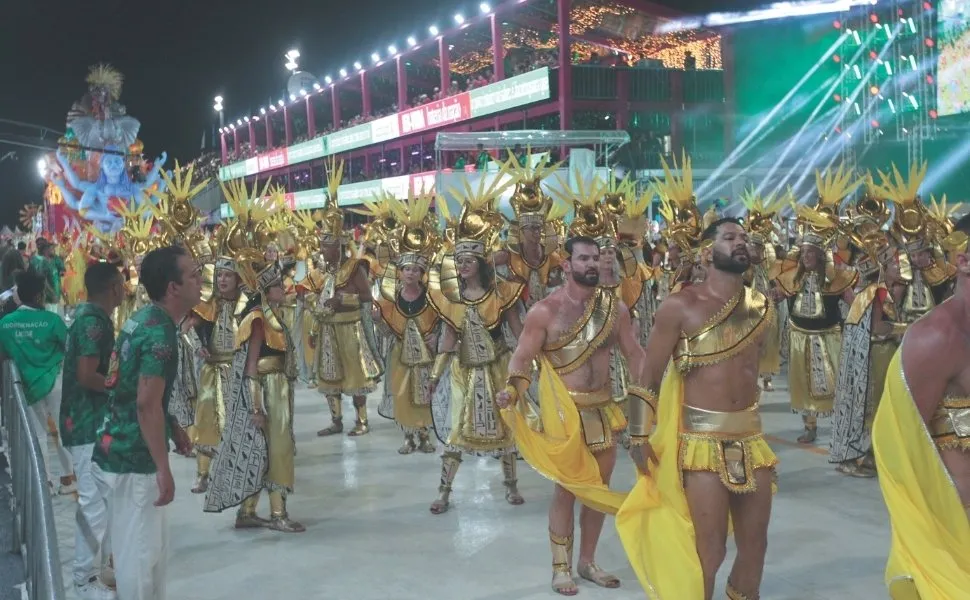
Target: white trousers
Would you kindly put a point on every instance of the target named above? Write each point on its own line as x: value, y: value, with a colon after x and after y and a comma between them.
x: 47, y: 412
x: 138, y: 531
x: 91, y: 527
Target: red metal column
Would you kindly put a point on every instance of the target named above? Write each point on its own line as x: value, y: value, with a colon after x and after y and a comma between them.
x: 565, y: 65
x: 287, y: 128
x: 335, y: 106
x: 225, y: 148
x: 623, y: 98
x: 269, y: 130
x: 311, y: 121
x: 676, y: 126
x: 402, y: 84
x: 444, y: 64
x: 252, y: 133
x: 364, y: 95
x: 235, y: 143
x: 498, y: 49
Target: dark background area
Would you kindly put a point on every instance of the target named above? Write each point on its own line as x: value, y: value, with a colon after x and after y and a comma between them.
x: 177, y: 55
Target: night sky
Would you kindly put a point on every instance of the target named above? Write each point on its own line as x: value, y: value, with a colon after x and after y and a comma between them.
x: 177, y: 55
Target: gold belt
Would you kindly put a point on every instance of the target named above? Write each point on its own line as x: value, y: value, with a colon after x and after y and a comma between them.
x: 951, y: 421
x: 270, y: 364
x: 595, y: 399
x: 343, y: 317
x: 218, y: 359
x: 737, y: 423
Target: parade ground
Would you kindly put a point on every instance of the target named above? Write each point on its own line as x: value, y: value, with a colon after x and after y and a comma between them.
x: 370, y: 535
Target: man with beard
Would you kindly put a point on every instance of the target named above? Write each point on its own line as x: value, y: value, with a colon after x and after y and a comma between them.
x: 714, y: 466
x: 573, y: 331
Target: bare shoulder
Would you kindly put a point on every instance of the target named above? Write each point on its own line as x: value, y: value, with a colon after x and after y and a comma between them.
x: 544, y: 310
x: 936, y: 339
x: 671, y: 310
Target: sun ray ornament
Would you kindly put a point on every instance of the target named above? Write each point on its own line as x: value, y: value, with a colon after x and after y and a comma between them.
x: 178, y: 217
x: 678, y: 207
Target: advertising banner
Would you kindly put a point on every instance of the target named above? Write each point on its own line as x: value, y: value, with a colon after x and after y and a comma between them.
x: 510, y: 93
x: 273, y: 159
x: 453, y: 109
x: 385, y: 128
x: 349, y: 139
x: 315, y: 148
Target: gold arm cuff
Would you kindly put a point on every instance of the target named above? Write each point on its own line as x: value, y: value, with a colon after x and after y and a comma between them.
x: 256, y: 394
x: 519, y: 381
x: 643, y: 413
x: 440, y: 364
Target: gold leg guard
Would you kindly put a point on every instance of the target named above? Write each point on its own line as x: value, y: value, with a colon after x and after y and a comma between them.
x: 511, y: 483
x: 734, y: 594
x: 336, y: 415
x: 246, y: 517
x: 562, y: 564
x: 360, y: 426
x: 279, y: 520
x: 903, y: 588
x: 409, y: 445
x: 450, y: 461
x: 811, y: 429
x: 202, y: 474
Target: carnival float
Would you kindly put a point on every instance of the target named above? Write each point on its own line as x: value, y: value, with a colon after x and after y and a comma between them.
x: 98, y: 170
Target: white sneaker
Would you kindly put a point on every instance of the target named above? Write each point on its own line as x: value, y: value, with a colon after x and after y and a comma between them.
x: 94, y: 590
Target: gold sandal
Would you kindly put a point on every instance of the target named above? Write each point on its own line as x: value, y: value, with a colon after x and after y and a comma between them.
x: 592, y: 572
x: 562, y: 564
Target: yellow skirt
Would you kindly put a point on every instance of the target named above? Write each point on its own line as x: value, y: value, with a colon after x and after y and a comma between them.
x: 345, y: 363
x: 410, y: 389
x: 278, y: 403
x: 880, y: 355
x: 813, y: 369
x: 210, y: 406
x: 476, y: 425
x: 734, y: 459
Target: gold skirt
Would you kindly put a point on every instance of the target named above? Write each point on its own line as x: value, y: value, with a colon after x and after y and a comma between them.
x: 344, y: 361
x: 476, y: 425
x: 813, y: 369
x: 409, y: 387
x: 210, y: 406
x: 280, y: 446
x: 730, y: 444
x: 600, y: 417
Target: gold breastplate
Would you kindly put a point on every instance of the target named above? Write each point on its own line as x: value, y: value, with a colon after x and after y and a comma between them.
x: 727, y: 333
x: 950, y: 425
x: 575, y: 345
x: 222, y: 343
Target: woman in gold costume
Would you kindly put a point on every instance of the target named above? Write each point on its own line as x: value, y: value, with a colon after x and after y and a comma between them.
x: 411, y: 325
x: 257, y: 448
x: 472, y: 361
x: 814, y: 288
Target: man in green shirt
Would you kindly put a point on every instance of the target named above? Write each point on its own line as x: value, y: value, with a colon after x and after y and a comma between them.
x: 34, y: 339
x: 90, y: 340
x: 131, y: 461
x: 45, y: 264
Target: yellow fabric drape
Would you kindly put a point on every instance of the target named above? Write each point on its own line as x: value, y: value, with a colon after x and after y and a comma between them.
x: 559, y: 452
x: 930, y: 529
x: 654, y: 522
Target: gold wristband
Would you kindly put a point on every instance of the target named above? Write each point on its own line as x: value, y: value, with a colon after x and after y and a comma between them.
x: 440, y: 364
x: 513, y: 394
x: 643, y: 413
x: 518, y: 380
x: 255, y: 395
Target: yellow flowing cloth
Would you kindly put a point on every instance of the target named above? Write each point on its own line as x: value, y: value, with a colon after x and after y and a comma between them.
x: 559, y: 452
x: 658, y: 536
x: 930, y: 529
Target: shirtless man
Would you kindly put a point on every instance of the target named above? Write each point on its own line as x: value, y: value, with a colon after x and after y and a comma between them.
x: 713, y: 331
x: 931, y: 371
x: 578, y: 343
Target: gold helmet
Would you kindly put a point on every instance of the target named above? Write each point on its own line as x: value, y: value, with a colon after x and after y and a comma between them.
x: 256, y: 222
x: 678, y: 207
x: 332, y: 228
x: 818, y: 225
x: 178, y: 219
x: 380, y: 233
x: 479, y: 224
x: 529, y: 203
x: 417, y: 234
x: 590, y: 217
x: 760, y: 220
x: 136, y: 236
x: 909, y: 224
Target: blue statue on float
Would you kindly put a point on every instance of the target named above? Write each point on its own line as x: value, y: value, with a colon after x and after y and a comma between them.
x: 100, y: 158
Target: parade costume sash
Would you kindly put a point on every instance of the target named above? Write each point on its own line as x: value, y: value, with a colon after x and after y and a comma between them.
x: 654, y: 521
x: 930, y: 529
x: 559, y: 452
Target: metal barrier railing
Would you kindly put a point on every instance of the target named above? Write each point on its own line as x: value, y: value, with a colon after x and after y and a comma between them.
x: 35, y: 533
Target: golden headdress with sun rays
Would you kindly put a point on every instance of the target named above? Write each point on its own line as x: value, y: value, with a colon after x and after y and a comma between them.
x: 332, y: 228
x: 479, y: 223
x: 678, y: 206
x: 590, y: 217
x: 380, y: 233
x: 136, y: 236
x: 529, y: 203
x: 819, y: 225
x: 257, y: 219
x: 760, y: 218
x: 417, y: 237
x: 178, y: 218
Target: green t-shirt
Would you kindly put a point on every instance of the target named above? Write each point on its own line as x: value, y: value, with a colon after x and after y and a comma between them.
x: 146, y: 347
x: 82, y: 410
x: 52, y: 275
x: 34, y: 339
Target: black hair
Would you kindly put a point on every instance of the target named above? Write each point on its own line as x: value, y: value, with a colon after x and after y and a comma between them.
x: 578, y: 239
x: 99, y: 277
x: 963, y: 224
x: 710, y: 232
x: 30, y: 287
x: 11, y: 264
x: 21, y: 245
x: 160, y: 268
